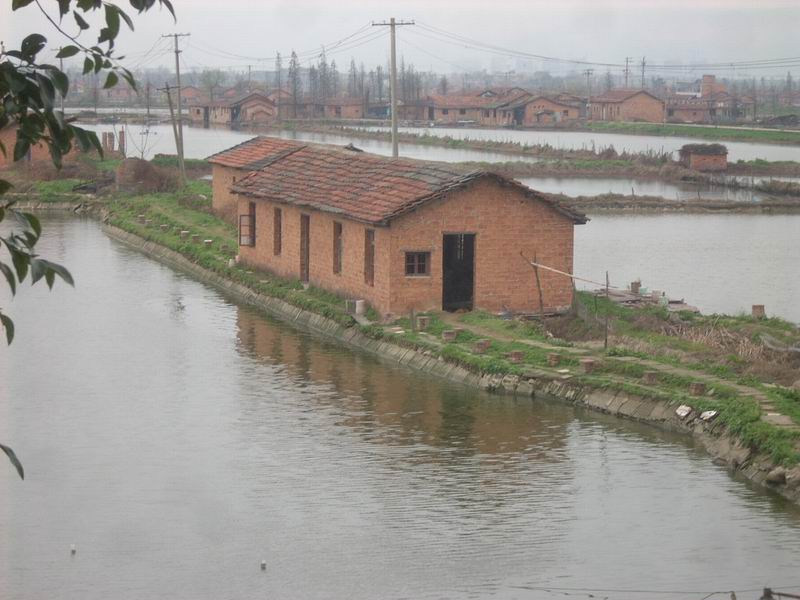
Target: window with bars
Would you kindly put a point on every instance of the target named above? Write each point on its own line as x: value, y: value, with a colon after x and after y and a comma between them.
x: 418, y: 263
x: 369, y: 256
x: 277, y: 234
x: 247, y: 227
x: 338, y: 247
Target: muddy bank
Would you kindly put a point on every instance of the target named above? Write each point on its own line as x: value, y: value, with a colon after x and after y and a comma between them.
x: 722, y: 445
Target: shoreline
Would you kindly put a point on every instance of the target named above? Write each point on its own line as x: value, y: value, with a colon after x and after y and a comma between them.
x: 723, y: 446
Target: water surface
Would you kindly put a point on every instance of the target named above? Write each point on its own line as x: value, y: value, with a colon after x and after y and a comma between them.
x: 178, y: 439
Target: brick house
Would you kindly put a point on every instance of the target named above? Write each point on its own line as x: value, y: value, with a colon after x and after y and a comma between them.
x: 704, y: 157
x: 231, y: 165
x: 532, y: 110
x: 454, y: 109
x: 627, y: 105
x: 252, y: 107
x: 401, y: 234
x: 344, y: 108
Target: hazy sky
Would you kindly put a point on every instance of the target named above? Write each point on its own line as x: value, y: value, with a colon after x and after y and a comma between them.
x: 665, y: 31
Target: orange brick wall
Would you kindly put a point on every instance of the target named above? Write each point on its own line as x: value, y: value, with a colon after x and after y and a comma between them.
x: 350, y: 282
x: 543, y: 104
x: 454, y: 115
x: 643, y: 108
x: 637, y: 108
x: 708, y: 162
x: 223, y: 201
x: 8, y: 136
x: 504, y: 221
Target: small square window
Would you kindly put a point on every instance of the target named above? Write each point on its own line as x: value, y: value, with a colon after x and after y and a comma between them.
x: 445, y: 111
x: 462, y: 111
x: 418, y: 263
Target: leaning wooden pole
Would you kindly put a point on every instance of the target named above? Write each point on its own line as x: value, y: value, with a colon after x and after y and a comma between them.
x: 535, y: 265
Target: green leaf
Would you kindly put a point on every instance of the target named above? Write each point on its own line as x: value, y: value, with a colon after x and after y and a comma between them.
x: 16, y: 4
x: 80, y: 21
x: 63, y: 7
x: 111, y: 80
x: 20, y: 261
x: 33, y: 222
x: 38, y: 269
x: 126, y: 18
x: 59, y: 270
x: 14, y: 460
x: 21, y: 148
x: 88, y: 65
x: 9, y: 275
x: 32, y: 45
x: 4, y: 185
x: 60, y: 81
x: 8, y: 325
x: 67, y: 51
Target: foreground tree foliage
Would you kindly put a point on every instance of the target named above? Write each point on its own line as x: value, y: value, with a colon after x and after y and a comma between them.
x: 28, y: 89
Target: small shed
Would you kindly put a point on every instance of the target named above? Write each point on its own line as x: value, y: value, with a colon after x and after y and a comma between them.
x: 704, y: 157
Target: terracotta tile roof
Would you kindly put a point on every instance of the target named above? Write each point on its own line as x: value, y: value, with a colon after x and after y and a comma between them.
x: 255, y: 153
x: 461, y: 101
x: 363, y: 187
x: 620, y: 95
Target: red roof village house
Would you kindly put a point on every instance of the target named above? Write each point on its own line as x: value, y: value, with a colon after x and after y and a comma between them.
x: 252, y: 107
x: 531, y: 110
x: 627, y: 105
x: 400, y: 234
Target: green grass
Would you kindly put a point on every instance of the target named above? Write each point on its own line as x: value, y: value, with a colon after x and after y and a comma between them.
x: 56, y: 190
x: 708, y: 132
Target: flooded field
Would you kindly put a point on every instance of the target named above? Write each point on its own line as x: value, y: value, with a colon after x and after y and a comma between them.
x: 178, y: 439
x: 588, y: 140
x: 201, y: 143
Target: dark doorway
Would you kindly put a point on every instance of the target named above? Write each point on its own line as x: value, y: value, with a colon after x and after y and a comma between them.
x: 458, y: 271
x: 305, y: 222
x: 519, y: 116
x: 430, y: 113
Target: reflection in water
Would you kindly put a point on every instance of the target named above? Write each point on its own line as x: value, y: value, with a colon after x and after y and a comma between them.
x: 178, y: 447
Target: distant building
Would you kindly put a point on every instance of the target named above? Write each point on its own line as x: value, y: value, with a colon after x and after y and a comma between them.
x: 704, y: 157
x: 530, y: 110
x: 251, y: 108
x: 627, y: 105
x: 344, y: 108
x: 398, y: 233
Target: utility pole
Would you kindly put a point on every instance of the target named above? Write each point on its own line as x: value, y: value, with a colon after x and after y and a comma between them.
x: 627, y: 70
x: 181, y: 167
x: 588, y: 73
x: 392, y: 24
x: 249, y: 72
x: 147, y: 98
x: 643, y: 63
x: 179, y: 142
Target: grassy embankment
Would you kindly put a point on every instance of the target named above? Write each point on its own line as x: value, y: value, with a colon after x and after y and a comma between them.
x: 740, y: 413
x: 732, y: 134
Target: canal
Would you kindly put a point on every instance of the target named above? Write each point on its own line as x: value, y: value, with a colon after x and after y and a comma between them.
x: 178, y: 439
